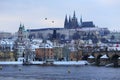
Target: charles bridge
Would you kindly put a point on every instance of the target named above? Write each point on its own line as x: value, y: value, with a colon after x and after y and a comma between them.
x: 111, y: 56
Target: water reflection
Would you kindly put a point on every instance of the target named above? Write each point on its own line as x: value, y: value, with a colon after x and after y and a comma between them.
x: 58, y: 73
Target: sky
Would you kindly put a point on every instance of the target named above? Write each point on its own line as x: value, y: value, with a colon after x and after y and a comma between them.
x: 32, y: 13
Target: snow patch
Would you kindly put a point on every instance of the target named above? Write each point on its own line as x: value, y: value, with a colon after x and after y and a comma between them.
x: 70, y: 62
x: 91, y: 56
x: 104, y: 56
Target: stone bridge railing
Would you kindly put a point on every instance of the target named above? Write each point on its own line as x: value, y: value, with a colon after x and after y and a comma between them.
x: 110, y: 57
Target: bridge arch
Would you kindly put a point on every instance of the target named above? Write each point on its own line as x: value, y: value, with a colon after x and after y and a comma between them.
x: 97, y: 61
x: 114, y: 60
x: 85, y: 57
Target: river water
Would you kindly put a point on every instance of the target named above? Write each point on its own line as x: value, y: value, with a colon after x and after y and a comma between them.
x: 36, y: 72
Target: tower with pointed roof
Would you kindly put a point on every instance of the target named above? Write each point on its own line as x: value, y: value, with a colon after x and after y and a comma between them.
x: 21, y: 42
x: 66, y: 24
x: 72, y: 23
x: 22, y: 34
x: 81, y: 21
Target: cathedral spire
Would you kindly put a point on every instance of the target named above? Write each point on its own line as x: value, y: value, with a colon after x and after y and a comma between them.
x: 69, y: 18
x: 81, y: 21
x: 20, y: 27
x: 66, y: 22
x: 23, y: 27
x: 20, y: 24
x: 74, y: 16
x: 70, y: 22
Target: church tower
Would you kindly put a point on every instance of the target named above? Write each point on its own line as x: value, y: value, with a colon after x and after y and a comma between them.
x: 66, y: 23
x: 70, y: 22
x: 74, y: 23
x: 22, y: 34
x: 19, y: 45
x: 81, y: 21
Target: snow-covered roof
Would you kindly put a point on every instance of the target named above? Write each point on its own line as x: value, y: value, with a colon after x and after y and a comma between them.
x: 21, y: 47
x: 72, y: 48
x: 37, y: 40
x: 90, y: 29
x: 91, y: 56
x: 6, y: 42
x: 34, y: 46
x: 104, y: 56
x: 119, y: 58
x: 113, y: 48
x: 49, y: 42
x: 48, y: 46
x: 2, y: 42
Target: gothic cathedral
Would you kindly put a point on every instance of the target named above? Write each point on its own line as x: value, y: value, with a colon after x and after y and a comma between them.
x: 72, y: 23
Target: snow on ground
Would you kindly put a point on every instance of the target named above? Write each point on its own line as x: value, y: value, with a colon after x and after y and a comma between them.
x: 41, y: 62
x: 37, y: 62
x: 10, y: 62
x: 70, y: 62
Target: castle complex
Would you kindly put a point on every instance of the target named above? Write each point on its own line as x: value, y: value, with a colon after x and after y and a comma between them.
x: 73, y: 23
x: 73, y: 30
x: 78, y: 40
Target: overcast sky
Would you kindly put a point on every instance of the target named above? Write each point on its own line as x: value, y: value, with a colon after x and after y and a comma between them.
x: 32, y: 13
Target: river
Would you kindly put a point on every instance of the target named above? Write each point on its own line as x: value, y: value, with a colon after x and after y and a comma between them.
x: 36, y: 72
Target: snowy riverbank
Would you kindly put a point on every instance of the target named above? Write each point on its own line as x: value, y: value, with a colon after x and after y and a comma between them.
x: 41, y: 62
x: 10, y: 62
x: 70, y: 63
